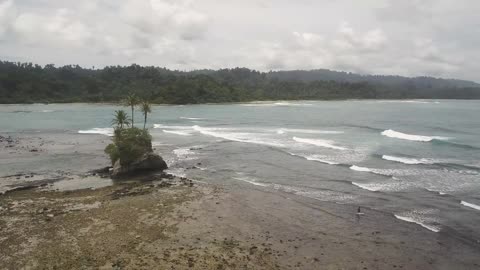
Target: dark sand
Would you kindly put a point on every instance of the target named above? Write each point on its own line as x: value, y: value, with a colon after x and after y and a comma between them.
x: 169, y: 224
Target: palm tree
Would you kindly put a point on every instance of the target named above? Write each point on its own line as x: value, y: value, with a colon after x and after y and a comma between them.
x: 131, y: 101
x: 120, y: 119
x: 146, y: 108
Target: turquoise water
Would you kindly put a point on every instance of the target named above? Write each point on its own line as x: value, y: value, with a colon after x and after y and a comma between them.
x: 419, y: 160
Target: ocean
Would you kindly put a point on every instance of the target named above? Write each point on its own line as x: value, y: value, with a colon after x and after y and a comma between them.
x: 416, y: 159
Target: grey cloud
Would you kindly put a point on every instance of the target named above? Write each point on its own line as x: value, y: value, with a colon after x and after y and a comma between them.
x: 408, y: 37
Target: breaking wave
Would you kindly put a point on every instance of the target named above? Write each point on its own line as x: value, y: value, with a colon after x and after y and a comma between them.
x: 315, y: 158
x: 409, y: 161
x: 385, y: 187
x: 191, y: 118
x: 238, y: 136
x: 184, y: 154
x: 411, y: 137
x: 369, y: 187
x: 420, y: 217
x: 471, y: 205
x: 171, y: 127
x: 178, y: 132
x: 307, y: 131
x: 274, y: 104
x: 251, y: 181
x: 318, y: 142
x: 360, y: 169
x: 102, y: 131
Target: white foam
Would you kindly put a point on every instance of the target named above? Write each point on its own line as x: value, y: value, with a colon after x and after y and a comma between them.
x: 285, y: 103
x: 154, y: 144
x: 436, y: 191
x: 471, y: 205
x: 315, y: 158
x: 178, y: 172
x: 383, y: 172
x: 408, y: 101
x: 417, y: 218
x: 184, y: 153
x: 410, y: 161
x: 102, y: 131
x: 47, y: 111
x: 274, y: 104
x: 360, y: 169
x: 308, y: 131
x: 384, y: 186
x: 178, y: 132
x: 191, y: 118
x: 410, y: 137
x: 238, y: 136
x: 171, y: 127
x: 318, y: 142
x: 321, y: 195
x: 251, y: 181
x: 369, y: 187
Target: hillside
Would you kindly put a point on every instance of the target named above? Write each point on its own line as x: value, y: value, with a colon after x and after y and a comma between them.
x: 29, y: 83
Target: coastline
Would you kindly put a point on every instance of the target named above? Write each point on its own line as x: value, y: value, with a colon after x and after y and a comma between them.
x: 167, y: 223
x: 152, y: 224
x: 114, y: 103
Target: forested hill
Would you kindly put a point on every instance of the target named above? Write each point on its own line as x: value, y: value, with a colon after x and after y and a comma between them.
x: 29, y: 83
x: 339, y: 76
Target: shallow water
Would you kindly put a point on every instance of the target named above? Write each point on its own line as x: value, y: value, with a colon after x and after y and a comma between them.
x: 419, y: 160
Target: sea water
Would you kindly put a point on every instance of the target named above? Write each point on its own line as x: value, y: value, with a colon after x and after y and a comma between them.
x: 416, y: 159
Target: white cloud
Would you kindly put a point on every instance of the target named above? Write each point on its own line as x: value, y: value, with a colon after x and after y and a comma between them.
x: 7, y: 15
x: 408, y: 37
x: 139, y: 27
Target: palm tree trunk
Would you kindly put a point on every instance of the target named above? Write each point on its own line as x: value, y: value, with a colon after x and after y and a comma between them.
x: 145, y: 122
x: 132, y: 118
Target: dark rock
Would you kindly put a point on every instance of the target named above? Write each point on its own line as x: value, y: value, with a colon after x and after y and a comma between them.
x: 147, y: 163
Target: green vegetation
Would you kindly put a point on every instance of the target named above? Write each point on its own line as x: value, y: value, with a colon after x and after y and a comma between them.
x: 145, y: 108
x: 28, y: 83
x: 131, y: 101
x: 129, y: 142
x: 120, y: 119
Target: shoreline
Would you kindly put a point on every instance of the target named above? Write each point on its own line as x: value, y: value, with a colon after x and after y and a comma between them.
x: 206, y: 226
x: 244, y: 102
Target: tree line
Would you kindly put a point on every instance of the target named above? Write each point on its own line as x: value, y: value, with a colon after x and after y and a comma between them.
x: 30, y: 83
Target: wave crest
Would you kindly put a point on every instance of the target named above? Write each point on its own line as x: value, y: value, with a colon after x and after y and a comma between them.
x: 238, y: 136
x: 410, y: 137
x: 318, y: 142
x: 421, y: 217
x: 360, y: 169
x: 471, y: 205
x: 409, y: 161
x: 178, y: 132
x: 317, y: 158
x: 102, y: 131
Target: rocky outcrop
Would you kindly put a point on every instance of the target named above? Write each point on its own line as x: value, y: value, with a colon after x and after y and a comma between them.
x: 147, y: 163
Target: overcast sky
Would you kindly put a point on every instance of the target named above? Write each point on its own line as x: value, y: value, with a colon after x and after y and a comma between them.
x: 406, y: 37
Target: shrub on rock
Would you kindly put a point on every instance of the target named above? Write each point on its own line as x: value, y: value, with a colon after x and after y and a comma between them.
x: 129, y: 145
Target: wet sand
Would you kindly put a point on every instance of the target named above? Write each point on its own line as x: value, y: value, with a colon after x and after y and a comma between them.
x: 172, y: 224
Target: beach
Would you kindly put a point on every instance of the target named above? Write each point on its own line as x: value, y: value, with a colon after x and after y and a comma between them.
x: 175, y: 223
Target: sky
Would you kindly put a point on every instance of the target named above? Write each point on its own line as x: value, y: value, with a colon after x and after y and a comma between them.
x: 439, y: 38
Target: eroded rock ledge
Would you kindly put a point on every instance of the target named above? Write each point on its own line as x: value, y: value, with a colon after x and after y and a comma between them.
x: 149, y: 162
